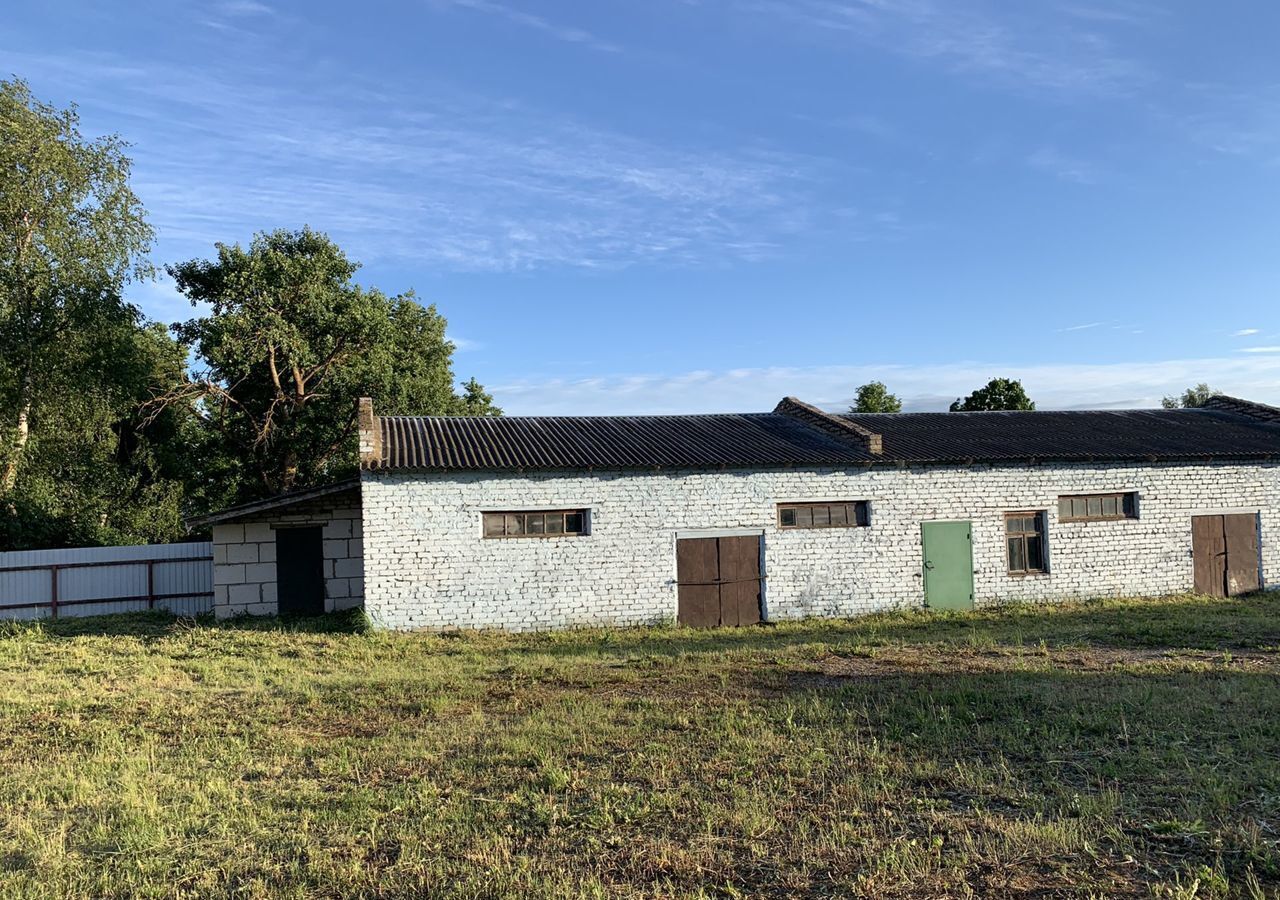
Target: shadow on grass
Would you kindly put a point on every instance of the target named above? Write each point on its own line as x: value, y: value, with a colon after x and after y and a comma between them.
x: 1185, y: 622
x: 158, y: 624
x: 1187, y: 763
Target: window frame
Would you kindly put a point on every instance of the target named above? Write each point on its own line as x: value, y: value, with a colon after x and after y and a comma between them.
x: 1041, y: 517
x: 562, y: 512
x: 1126, y: 506
x: 861, y: 514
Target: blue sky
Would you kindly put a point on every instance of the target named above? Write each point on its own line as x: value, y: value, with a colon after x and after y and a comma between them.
x: 702, y: 205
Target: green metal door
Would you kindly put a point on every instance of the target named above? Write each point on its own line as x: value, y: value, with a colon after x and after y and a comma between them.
x: 948, y: 565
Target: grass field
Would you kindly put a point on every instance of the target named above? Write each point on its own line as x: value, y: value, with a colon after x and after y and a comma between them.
x: 1120, y: 748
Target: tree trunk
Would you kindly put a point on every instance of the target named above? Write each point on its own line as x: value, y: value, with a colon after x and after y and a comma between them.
x: 290, y: 473
x: 22, y: 433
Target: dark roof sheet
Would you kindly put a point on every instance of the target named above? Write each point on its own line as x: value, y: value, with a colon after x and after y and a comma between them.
x: 559, y: 442
x: 782, y: 439
x: 273, y: 504
x: 1128, y: 434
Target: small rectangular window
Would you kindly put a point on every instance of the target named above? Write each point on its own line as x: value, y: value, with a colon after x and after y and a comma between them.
x: 1024, y: 539
x: 844, y: 514
x: 543, y: 523
x: 1098, y: 507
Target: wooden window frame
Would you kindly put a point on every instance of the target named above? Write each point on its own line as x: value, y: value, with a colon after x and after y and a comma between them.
x: 1126, y: 506
x: 861, y: 514
x: 1041, y: 531
x: 524, y: 515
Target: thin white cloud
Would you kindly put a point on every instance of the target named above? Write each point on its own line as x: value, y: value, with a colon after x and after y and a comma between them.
x: 1260, y: 349
x: 966, y: 38
x: 450, y: 180
x: 1244, y: 332
x: 1234, y: 120
x: 160, y: 300
x: 1063, y: 166
x: 244, y: 8
x: 233, y: 17
x: 463, y: 345
x: 929, y: 387
x: 1083, y: 327
x: 568, y: 34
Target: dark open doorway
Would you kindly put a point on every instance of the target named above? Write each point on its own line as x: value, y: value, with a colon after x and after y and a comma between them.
x: 300, y: 571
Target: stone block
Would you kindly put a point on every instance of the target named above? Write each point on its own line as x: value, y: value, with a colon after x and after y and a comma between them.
x: 259, y: 532
x: 228, y: 534
x: 244, y: 594
x: 260, y: 572
x: 228, y: 574
x: 335, y: 549
x: 348, y: 568
x: 337, y: 528
x: 242, y: 553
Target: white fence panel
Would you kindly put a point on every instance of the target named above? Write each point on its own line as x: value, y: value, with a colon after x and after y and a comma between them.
x: 91, y: 581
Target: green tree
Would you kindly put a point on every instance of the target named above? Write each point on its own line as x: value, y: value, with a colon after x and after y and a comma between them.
x: 996, y: 394
x: 874, y: 397
x: 1191, y: 398
x: 79, y: 461
x: 98, y: 470
x: 290, y: 342
x: 72, y: 232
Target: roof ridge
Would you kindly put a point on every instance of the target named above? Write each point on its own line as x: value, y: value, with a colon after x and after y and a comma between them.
x: 833, y: 425
x: 1251, y: 408
x: 545, y: 416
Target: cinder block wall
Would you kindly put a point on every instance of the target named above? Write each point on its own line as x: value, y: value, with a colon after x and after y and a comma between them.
x: 244, y: 557
x: 428, y: 565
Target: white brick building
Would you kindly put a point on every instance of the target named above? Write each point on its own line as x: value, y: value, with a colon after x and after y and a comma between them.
x: 557, y: 522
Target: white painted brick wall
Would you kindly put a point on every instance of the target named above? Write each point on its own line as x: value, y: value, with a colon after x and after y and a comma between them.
x: 244, y: 557
x: 428, y: 566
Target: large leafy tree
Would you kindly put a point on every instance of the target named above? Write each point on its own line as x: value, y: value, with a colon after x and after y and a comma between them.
x: 996, y: 394
x: 99, y: 469
x: 71, y: 233
x: 874, y: 397
x: 1191, y: 398
x: 79, y: 460
x: 289, y: 344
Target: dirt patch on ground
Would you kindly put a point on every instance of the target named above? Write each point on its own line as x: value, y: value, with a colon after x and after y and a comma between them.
x: 927, y: 661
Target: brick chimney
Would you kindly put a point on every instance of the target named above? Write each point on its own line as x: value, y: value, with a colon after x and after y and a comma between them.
x: 370, y: 434
x: 835, y: 426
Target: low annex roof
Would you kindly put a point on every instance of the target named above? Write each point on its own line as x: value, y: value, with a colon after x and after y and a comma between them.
x: 797, y: 434
x: 274, y: 504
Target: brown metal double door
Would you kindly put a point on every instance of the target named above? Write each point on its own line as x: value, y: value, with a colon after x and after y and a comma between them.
x: 719, y: 580
x: 1225, y: 551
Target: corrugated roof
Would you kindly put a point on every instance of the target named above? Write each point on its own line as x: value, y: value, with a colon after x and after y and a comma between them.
x: 786, y: 437
x: 1129, y: 434
x: 557, y: 442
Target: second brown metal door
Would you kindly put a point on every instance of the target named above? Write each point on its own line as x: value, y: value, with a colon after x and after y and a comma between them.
x: 719, y: 581
x: 1242, y: 553
x: 1225, y: 553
